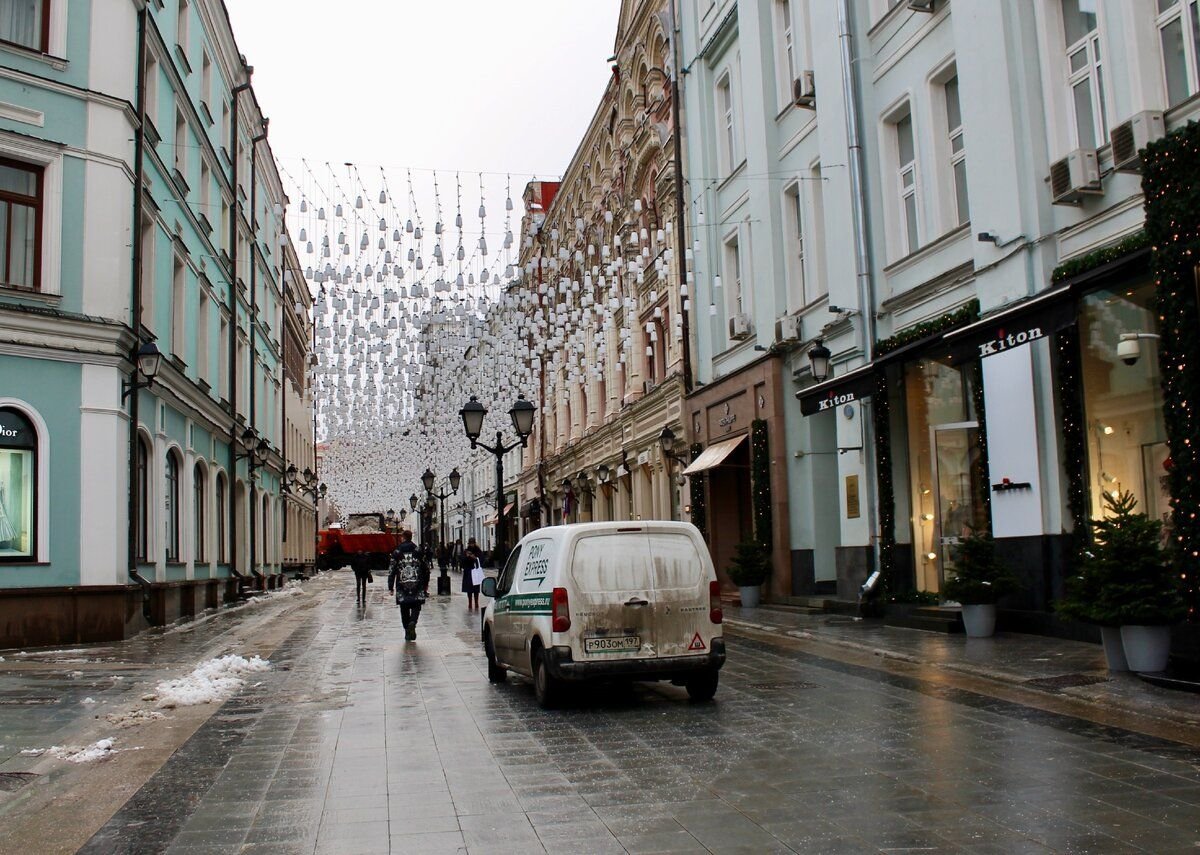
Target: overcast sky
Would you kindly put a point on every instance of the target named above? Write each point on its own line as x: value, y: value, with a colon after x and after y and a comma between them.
x: 489, y: 85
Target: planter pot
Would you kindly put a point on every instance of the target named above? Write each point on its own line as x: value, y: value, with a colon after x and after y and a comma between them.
x: 1114, y: 648
x: 979, y: 620
x: 750, y: 596
x: 1147, y: 648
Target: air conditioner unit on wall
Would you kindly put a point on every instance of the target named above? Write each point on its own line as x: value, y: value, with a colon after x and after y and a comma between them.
x: 1075, y: 176
x: 787, y: 329
x: 1132, y: 135
x: 804, y: 90
x: 921, y: 5
x: 740, y: 327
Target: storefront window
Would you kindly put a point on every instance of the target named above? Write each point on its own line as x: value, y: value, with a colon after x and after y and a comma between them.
x: 1123, y: 405
x: 947, y: 473
x: 18, y: 477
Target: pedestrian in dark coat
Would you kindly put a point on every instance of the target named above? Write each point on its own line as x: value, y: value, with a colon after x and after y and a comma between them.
x: 362, y: 574
x: 472, y: 558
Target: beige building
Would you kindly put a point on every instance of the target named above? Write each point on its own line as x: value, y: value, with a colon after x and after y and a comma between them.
x: 600, y: 255
x: 299, y: 452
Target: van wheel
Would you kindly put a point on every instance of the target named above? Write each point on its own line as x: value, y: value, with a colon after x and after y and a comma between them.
x: 496, y: 673
x: 703, y: 686
x: 545, y: 688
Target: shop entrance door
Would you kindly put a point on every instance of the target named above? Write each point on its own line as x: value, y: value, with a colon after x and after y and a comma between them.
x: 958, y: 478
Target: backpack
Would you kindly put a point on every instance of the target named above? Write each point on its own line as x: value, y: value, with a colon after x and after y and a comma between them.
x: 408, y: 578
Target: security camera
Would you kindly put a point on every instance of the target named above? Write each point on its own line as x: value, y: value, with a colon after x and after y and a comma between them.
x: 1129, y: 349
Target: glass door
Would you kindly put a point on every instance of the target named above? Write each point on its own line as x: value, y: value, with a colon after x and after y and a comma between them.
x: 960, y: 481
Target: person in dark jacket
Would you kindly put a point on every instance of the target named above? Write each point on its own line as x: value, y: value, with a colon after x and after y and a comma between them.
x: 471, y: 557
x: 406, y: 547
x: 361, y: 565
x: 409, y: 596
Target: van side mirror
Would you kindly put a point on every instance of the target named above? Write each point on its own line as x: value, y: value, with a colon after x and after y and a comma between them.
x: 488, y: 586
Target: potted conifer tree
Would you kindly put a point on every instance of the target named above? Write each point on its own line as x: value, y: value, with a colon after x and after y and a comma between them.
x: 980, y: 579
x: 749, y: 569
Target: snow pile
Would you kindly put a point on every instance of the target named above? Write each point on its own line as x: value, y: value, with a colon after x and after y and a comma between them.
x: 210, y: 682
x: 274, y: 596
x: 133, y: 718
x: 95, y: 751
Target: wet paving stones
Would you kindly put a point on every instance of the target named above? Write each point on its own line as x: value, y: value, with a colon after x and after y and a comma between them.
x: 358, y: 742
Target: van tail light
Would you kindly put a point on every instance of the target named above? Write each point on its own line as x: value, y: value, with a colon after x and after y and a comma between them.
x: 715, y: 614
x: 560, y: 610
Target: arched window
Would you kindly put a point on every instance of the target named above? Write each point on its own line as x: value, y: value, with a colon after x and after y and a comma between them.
x: 143, y: 499
x: 18, y: 487
x: 200, y: 508
x: 222, y: 517
x: 172, y: 507
x: 264, y: 529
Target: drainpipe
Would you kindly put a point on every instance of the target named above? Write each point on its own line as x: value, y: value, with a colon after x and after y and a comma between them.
x: 862, y: 251
x: 135, y: 304
x: 256, y: 508
x: 234, y: 434
x: 680, y: 210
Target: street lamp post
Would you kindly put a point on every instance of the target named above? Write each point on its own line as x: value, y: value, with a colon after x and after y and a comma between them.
x: 441, y: 495
x: 522, y: 413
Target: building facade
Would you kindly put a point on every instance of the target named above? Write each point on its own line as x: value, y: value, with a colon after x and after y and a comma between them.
x: 601, y: 257
x: 134, y: 504
x: 298, y: 448
x: 946, y: 196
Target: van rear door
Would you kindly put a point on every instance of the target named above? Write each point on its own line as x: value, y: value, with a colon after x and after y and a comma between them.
x: 681, y: 603
x: 612, y: 601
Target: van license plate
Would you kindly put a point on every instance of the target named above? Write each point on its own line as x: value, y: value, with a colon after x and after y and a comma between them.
x: 616, y: 644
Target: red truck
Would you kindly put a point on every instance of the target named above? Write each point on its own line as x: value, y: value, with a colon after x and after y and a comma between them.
x: 367, y: 534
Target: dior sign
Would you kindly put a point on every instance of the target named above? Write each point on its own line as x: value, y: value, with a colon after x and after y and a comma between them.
x: 6, y: 433
x: 1004, y: 342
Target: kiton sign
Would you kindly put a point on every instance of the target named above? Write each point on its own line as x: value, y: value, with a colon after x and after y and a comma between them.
x: 835, y: 400
x: 1003, y: 341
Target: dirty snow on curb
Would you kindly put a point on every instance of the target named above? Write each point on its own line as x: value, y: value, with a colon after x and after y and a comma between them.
x: 96, y: 751
x: 211, y: 681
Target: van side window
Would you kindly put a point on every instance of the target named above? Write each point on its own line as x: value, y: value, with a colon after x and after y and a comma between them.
x: 505, y: 580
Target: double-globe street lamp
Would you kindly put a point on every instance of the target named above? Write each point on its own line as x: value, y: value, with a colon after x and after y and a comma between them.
x: 441, y: 495
x: 522, y: 413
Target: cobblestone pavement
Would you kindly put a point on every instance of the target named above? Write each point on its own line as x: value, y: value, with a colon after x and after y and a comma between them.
x: 358, y: 742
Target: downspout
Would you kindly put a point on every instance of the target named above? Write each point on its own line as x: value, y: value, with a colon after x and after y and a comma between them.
x: 135, y: 304
x: 256, y: 506
x: 234, y: 435
x: 862, y: 252
x: 680, y: 210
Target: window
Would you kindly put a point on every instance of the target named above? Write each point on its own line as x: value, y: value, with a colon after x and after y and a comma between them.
x: 817, y: 286
x: 202, y: 360
x: 1084, y: 74
x: 725, y: 117
x: 181, y: 143
x: 181, y: 26
x: 18, y: 485
x: 179, y: 309
x: 206, y: 79
x: 171, y: 506
x: 735, y: 299
x: 793, y: 210
x: 222, y: 516
x: 20, y: 224
x: 906, y: 181
x: 205, y: 190
x: 143, y: 497
x: 26, y: 23
x: 1179, y: 34
x: 958, y: 154
x: 199, y: 502
x: 149, y: 235
x: 785, y: 50
x: 223, y: 360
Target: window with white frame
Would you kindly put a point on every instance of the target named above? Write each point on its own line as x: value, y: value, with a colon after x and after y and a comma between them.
x: 1179, y: 35
x: 20, y: 224
x: 793, y: 217
x: 202, y: 336
x: 206, y: 79
x: 735, y: 295
x: 958, y: 152
x: 786, y: 65
x: 223, y: 359
x: 151, y: 91
x: 906, y: 181
x: 1085, y: 75
x: 727, y: 142
x: 200, y: 513
x: 171, y: 507
x: 144, y: 516
x: 181, y: 142
x: 179, y: 308
x: 817, y: 285
x: 26, y: 23
x: 181, y: 26
x: 149, y: 239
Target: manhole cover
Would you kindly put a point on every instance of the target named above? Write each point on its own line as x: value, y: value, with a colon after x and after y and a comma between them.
x: 1065, y: 681
x: 782, y: 687
x: 10, y: 781
x: 26, y: 702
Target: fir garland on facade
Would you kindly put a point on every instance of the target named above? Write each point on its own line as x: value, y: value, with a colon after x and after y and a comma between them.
x: 885, y: 490
x: 699, y: 508
x: 760, y: 482
x: 975, y: 367
x: 1173, y: 224
x: 967, y: 313
x: 1074, y: 437
x: 1100, y: 257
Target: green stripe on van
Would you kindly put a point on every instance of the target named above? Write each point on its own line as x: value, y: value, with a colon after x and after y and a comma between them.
x: 536, y: 604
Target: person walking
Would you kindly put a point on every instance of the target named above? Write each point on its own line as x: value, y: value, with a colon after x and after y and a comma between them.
x: 405, y: 547
x: 472, y: 573
x: 362, y: 575
x: 410, y: 579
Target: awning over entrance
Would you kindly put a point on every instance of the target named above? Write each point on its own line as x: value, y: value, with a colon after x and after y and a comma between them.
x: 714, y: 455
x: 1037, y: 317
x: 857, y: 384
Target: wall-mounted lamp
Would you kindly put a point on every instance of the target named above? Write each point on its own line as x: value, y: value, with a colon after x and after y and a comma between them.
x: 147, y: 361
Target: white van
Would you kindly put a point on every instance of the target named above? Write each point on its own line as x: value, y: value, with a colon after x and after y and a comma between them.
x: 623, y: 600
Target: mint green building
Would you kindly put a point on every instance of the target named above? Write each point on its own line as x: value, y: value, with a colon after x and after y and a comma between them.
x: 121, y: 507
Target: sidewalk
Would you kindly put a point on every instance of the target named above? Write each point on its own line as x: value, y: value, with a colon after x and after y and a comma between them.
x: 1065, y: 668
